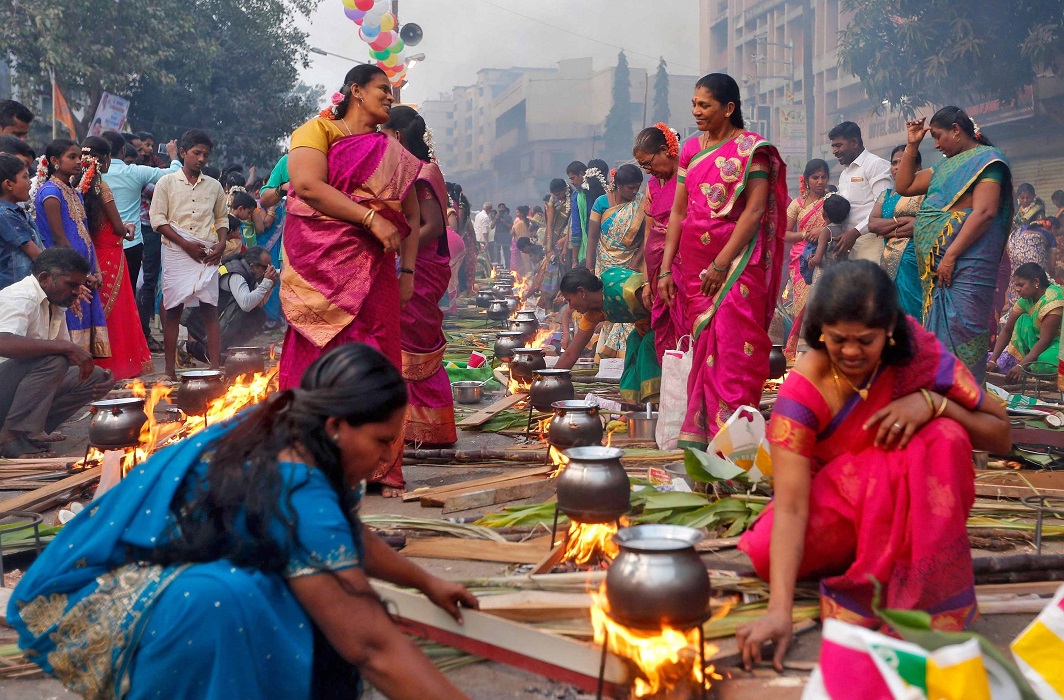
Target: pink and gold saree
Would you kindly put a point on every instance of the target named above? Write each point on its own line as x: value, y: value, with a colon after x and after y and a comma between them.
x: 730, y: 329
x: 430, y: 414
x: 809, y: 218
x: 657, y: 206
x: 898, y: 516
x: 338, y: 285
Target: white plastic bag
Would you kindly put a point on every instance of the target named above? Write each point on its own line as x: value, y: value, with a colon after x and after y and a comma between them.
x: 675, y: 368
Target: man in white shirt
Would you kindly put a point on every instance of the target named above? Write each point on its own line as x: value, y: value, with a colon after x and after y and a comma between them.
x: 246, y: 282
x: 44, y: 378
x: 482, y: 228
x: 864, y: 177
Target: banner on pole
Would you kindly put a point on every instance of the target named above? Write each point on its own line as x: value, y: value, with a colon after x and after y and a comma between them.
x: 110, y: 114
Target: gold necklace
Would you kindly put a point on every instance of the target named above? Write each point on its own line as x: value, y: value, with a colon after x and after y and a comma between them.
x: 346, y: 127
x: 861, y: 391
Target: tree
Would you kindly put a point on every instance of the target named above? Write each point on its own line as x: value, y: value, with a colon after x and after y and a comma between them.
x: 912, y: 53
x: 661, y: 93
x: 227, y: 66
x: 618, y: 136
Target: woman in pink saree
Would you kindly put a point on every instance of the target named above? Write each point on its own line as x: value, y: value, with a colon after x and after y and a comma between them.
x: 723, y: 257
x: 430, y: 413
x: 657, y: 150
x: 871, y: 438
x: 351, y: 209
x: 805, y: 217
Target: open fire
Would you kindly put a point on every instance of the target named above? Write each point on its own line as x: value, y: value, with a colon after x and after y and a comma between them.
x: 155, y: 435
x: 666, y: 661
x: 591, y: 544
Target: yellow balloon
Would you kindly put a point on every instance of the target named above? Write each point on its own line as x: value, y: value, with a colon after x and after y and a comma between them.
x: 350, y: 4
x: 388, y: 22
x: 390, y: 61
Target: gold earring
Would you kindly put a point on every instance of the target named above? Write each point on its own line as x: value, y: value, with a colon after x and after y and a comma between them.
x: 336, y: 437
x: 822, y: 338
x: 890, y: 340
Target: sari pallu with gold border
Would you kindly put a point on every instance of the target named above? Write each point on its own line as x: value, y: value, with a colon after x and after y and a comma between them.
x: 730, y: 329
x: 797, y: 292
x: 897, y: 516
x: 430, y: 414
x: 338, y: 285
x: 620, y: 241
x: 959, y: 315
x: 657, y: 205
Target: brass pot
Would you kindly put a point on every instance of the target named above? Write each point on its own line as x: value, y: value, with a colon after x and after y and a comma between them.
x: 593, y: 487
x: 550, y: 385
x: 657, y: 578
x: 244, y: 361
x: 777, y: 362
x: 198, y: 388
x: 526, y: 361
x: 574, y: 424
x: 484, y: 298
x: 505, y: 344
x: 116, y: 422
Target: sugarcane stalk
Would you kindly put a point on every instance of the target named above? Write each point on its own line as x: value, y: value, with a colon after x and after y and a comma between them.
x: 1019, y: 562
x: 474, y: 455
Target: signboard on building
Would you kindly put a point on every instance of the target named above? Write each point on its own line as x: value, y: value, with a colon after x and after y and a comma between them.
x: 110, y: 114
x: 791, y: 141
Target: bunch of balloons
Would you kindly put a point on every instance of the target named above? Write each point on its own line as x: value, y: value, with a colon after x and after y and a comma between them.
x: 379, y: 28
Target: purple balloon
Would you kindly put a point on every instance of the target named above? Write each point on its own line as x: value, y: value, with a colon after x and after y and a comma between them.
x: 354, y: 15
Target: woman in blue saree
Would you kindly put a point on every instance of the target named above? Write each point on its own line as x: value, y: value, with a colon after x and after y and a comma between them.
x: 960, y: 230
x: 893, y: 218
x: 273, y: 194
x: 233, y: 563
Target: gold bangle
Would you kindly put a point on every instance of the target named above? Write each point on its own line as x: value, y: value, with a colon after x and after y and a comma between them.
x: 942, y: 407
x: 367, y: 220
x: 930, y: 401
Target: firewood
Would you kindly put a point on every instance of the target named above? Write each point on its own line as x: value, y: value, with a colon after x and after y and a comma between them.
x: 477, y: 550
x: 515, y: 490
x: 459, y: 456
x: 436, y: 491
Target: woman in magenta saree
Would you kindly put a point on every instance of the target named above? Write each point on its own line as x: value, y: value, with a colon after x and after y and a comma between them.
x: 352, y: 209
x: 430, y: 414
x: 657, y: 150
x: 871, y: 438
x: 723, y: 257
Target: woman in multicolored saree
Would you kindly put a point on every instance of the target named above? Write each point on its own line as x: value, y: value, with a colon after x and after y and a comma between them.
x: 960, y: 230
x: 1032, y: 332
x: 893, y: 219
x: 657, y: 150
x: 724, y: 256
x: 351, y: 207
x: 615, y: 239
x: 234, y: 565
x: 430, y: 416
x: 805, y: 217
x: 871, y: 441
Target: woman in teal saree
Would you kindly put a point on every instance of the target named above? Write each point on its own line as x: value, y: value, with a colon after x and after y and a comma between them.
x: 233, y: 564
x: 960, y: 230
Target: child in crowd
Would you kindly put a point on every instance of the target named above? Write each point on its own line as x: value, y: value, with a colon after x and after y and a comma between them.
x: 246, y: 219
x: 20, y: 244
x: 815, y: 258
x: 189, y: 210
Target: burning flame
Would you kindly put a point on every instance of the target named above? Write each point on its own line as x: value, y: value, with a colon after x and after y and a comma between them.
x: 558, y: 459
x: 494, y: 274
x: 541, y: 338
x: 664, y: 658
x: 587, y: 542
x: 243, y: 393
x: 520, y: 286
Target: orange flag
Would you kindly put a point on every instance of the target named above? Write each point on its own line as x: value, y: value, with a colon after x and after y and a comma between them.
x: 62, y: 111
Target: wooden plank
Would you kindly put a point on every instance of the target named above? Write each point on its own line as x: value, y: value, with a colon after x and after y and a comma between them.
x: 41, y: 499
x: 482, y: 634
x: 1038, y: 436
x: 1012, y: 606
x: 537, y: 606
x: 437, y: 500
x: 472, y: 483
x: 485, y: 414
x: 510, y: 491
x: 552, y: 558
x: 477, y: 550
x: 1032, y: 587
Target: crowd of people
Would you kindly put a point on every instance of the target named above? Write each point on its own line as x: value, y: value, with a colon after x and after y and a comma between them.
x: 887, y: 291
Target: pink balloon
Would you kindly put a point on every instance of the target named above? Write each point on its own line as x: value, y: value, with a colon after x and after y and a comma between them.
x: 380, y: 43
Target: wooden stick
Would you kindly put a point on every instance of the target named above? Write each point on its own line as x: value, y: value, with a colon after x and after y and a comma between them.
x: 554, y: 656
x: 458, y: 456
x: 485, y: 414
x: 477, y: 550
x: 41, y: 499
x: 436, y: 491
x: 551, y: 559
x: 1036, y: 588
x: 1019, y: 577
x: 1018, y: 562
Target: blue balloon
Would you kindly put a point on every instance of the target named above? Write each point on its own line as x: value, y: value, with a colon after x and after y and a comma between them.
x: 370, y: 34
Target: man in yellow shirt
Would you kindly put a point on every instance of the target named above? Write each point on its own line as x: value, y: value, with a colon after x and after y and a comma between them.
x: 189, y: 209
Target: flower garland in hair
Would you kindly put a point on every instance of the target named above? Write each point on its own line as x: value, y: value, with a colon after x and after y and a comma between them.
x: 977, y: 132
x: 333, y: 110
x: 430, y: 142
x: 40, y: 177
x: 672, y: 139
x: 802, y: 189
x: 90, y: 164
x: 597, y: 174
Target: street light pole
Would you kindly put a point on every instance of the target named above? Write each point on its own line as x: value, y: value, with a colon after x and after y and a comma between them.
x: 397, y: 90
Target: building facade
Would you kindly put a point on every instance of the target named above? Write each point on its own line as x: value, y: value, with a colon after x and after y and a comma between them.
x: 516, y: 129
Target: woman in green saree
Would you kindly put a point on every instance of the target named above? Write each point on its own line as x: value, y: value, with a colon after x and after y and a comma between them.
x: 1033, y: 326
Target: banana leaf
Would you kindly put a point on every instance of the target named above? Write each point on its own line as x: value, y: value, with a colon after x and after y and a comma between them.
x: 703, y: 466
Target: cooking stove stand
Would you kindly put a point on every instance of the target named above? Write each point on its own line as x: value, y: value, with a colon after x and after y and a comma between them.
x: 701, y: 659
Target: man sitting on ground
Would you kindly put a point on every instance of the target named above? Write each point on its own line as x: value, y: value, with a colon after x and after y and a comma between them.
x: 246, y: 282
x: 44, y: 378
